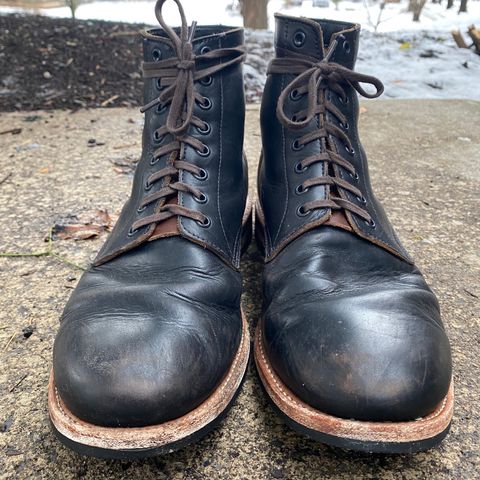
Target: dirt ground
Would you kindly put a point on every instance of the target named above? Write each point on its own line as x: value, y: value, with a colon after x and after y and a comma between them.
x: 59, y: 168
x: 51, y: 63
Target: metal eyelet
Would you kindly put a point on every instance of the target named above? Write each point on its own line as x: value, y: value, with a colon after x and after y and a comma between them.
x: 299, y: 38
x: 371, y: 223
x: 342, y: 101
x: 206, y: 104
x: 156, y: 137
x: 207, y: 81
x: 294, y: 95
x: 205, y: 130
x: 205, y: 152
x: 160, y: 108
x: 201, y: 199
x: 141, y: 209
x: 203, y: 175
x: 147, y: 186
x: 300, y: 190
x: 205, y: 49
x: 298, y: 168
x: 154, y: 160
x: 354, y: 176
x: 156, y: 54
x: 301, y: 212
x: 158, y: 83
x: 362, y: 199
x: 345, y: 125
x: 205, y: 224
x: 132, y: 232
x: 296, y: 145
x: 346, y: 46
x: 351, y: 151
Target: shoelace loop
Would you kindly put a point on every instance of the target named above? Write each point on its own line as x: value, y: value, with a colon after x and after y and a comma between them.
x: 314, y: 78
x: 177, y: 76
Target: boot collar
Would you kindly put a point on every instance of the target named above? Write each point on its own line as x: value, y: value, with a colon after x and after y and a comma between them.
x: 311, y: 37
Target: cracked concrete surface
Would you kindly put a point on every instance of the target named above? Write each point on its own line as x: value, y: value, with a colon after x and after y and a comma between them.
x: 424, y: 160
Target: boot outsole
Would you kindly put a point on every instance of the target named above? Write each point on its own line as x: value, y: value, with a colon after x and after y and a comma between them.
x: 364, y: 436
x: 141, y: 442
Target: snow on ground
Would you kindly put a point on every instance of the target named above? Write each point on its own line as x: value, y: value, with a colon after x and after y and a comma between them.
x: 410, y: 64
x: 413, y: 59
x: 394, y: 16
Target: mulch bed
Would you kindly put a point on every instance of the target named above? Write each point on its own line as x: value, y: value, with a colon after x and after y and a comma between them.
x: 61, y: 63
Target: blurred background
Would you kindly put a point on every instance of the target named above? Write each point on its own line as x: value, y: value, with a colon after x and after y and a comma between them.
x: 86, y: 53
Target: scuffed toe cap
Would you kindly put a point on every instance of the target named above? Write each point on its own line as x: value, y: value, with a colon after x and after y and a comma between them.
x: 354, y: 331
x: 124, y: 374
x: 139, y: 347
x: 357, y: 358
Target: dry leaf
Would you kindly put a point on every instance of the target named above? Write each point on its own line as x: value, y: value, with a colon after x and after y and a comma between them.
x: 84, y: 226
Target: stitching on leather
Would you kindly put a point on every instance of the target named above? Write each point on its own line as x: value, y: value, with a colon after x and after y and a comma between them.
x: 372, y: 204
x: 267, y: 366
x: 221, y: 158
x: 286, y: 176
x: 199, y: 237
x: 237, y: 359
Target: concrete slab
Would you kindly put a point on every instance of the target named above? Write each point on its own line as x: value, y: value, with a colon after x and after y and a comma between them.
x: 424, y: 158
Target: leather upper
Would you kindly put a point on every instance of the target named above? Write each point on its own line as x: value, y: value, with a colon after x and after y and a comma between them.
x: 349, y: 323
x: 154, y: 325
x: 353, y: 330
x: 278, y: 177
x: 225, y: 185
x: 147, y: 337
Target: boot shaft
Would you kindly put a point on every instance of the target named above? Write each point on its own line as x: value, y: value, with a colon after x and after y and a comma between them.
x: 312, y: 155
x: 212, y: 173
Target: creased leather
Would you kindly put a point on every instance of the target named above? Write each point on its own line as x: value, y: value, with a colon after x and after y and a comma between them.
x: 349, y: 324
x: 147, y: 337
x: 153, y: 327
x: 353, y: 330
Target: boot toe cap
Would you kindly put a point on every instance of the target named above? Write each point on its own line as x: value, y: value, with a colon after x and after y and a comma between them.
x: 136, y: 350
x: 125, y: 374
x: 352, y: 360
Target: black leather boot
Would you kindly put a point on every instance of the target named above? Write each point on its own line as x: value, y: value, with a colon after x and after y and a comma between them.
x: 351, y: 347
x: 153, y: 345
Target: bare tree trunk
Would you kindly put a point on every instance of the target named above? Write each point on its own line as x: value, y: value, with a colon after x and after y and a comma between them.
x: 449, y: 4
x: 255, y: 14
x: 411, y: 5
x: 463, y: 6
x: 72, y: 4
x: 419, y: 4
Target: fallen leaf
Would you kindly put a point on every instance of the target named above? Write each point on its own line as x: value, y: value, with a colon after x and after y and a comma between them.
x: 125, y: 165
x: 84, y: 226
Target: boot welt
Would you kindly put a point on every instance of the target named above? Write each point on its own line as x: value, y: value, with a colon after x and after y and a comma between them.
x: 380, y: 437
x: 138, y: 442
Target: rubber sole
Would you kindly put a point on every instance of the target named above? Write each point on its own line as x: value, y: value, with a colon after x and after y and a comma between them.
x: 373, y: 437
x: 141, y: 442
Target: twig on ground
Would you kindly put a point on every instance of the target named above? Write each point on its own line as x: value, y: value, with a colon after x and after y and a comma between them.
x: 13, y: 131
x: 43, y: 253
x: 9, y: 342
x: 18, y: 383
x: 6, y: 177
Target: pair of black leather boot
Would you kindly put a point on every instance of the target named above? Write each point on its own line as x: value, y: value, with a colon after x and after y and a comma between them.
x: 153, y: 345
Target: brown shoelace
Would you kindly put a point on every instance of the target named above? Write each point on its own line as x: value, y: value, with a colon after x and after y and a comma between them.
x: 177, y: 77
x: 314, y: 78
